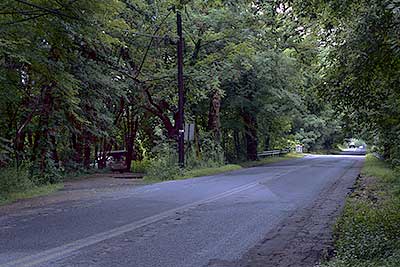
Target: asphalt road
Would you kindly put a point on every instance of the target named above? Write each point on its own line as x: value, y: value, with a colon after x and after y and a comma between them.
x: 221, y: 220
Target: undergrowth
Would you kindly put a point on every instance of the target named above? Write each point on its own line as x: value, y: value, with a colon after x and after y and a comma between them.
x: 368, y: 232
x: 18, y: 183
x: 211, y: 161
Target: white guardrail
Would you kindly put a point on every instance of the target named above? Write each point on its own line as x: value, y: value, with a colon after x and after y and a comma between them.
x: 273, y: 153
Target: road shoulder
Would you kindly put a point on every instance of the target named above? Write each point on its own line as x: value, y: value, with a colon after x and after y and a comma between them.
x: 304, y: 237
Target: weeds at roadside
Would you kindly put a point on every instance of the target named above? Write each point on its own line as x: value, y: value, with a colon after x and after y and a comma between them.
x: 367, y: 234
x: 167, y: 168
x: 17, y: 183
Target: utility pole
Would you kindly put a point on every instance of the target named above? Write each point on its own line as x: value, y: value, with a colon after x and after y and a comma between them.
x: 181, y: 92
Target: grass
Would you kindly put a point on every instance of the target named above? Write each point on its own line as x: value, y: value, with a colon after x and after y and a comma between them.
x: 367, y: 233
x: 209, y: 171
x: 30, y: 193
x: 17, y: 183
x: 326, y: 152
x: 268, y: 160
x: 186, y: 174
x: 380, y: 169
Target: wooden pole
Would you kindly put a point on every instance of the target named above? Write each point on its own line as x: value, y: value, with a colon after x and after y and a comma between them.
x: 181, y: 92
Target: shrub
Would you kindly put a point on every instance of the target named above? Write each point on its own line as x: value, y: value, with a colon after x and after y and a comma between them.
x: 140, y: 166
x: 13, y: 179
x: 164, y: 166
x: 367, y: 234
x: 211, y: 155
x: 52, y: 173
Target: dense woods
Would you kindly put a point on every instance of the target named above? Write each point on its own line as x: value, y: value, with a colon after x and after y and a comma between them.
x: 79, y: 79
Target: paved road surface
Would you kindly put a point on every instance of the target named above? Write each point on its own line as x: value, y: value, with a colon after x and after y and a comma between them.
x: 264, y: 216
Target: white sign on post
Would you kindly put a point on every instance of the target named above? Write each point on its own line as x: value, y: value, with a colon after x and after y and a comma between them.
x: 189, y: 132
x: 299, y: 148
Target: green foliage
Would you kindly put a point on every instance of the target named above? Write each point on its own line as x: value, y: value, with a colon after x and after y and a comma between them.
x: 319, y: 132
x: 6, y: 151
x: 367, y: 233
x: 211, y: 155
x: 87, y: 77
x: 209, y: 171
x: 360, y: 68
x: 14, y: 180
x: 267, y: 160
x: 30, y: 192
x: 165, y: 164
x: 140, y: 166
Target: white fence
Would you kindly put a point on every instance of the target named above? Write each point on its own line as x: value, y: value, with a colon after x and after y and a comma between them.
x: 272, y: 153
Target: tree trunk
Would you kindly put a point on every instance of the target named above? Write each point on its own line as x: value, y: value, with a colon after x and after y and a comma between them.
x: 43, y: 126
x: 267, y: 141
x: 214, y: 124
x: 54, y: 153
x: 105, y: 149
x: 19, y: 146
x: 250, y: 122
x: 386, y: 150
x: 77, y: 144
x: 130, y: 142
x: 87, y: 150
x: 236, y: 141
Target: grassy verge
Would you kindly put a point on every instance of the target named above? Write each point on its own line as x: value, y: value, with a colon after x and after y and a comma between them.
x: 326, y: 152
x: 186, y: 174
x: 368, y: 232
x: 30, y: 193
x: 209, y: 171
x: 264, y: 161
x: 16, y: 185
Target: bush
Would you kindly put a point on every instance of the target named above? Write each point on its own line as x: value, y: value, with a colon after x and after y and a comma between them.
x: 165, y: 165
x: 367, y: 234
x: 211, y: 155
x: 52, y: 173
x: 13, y: 179
x: 140, y: 166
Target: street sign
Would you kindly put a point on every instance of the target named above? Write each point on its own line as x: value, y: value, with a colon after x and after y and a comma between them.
x: 189, y: 132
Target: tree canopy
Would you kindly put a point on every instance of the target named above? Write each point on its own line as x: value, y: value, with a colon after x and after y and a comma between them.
x: 79, y: 79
